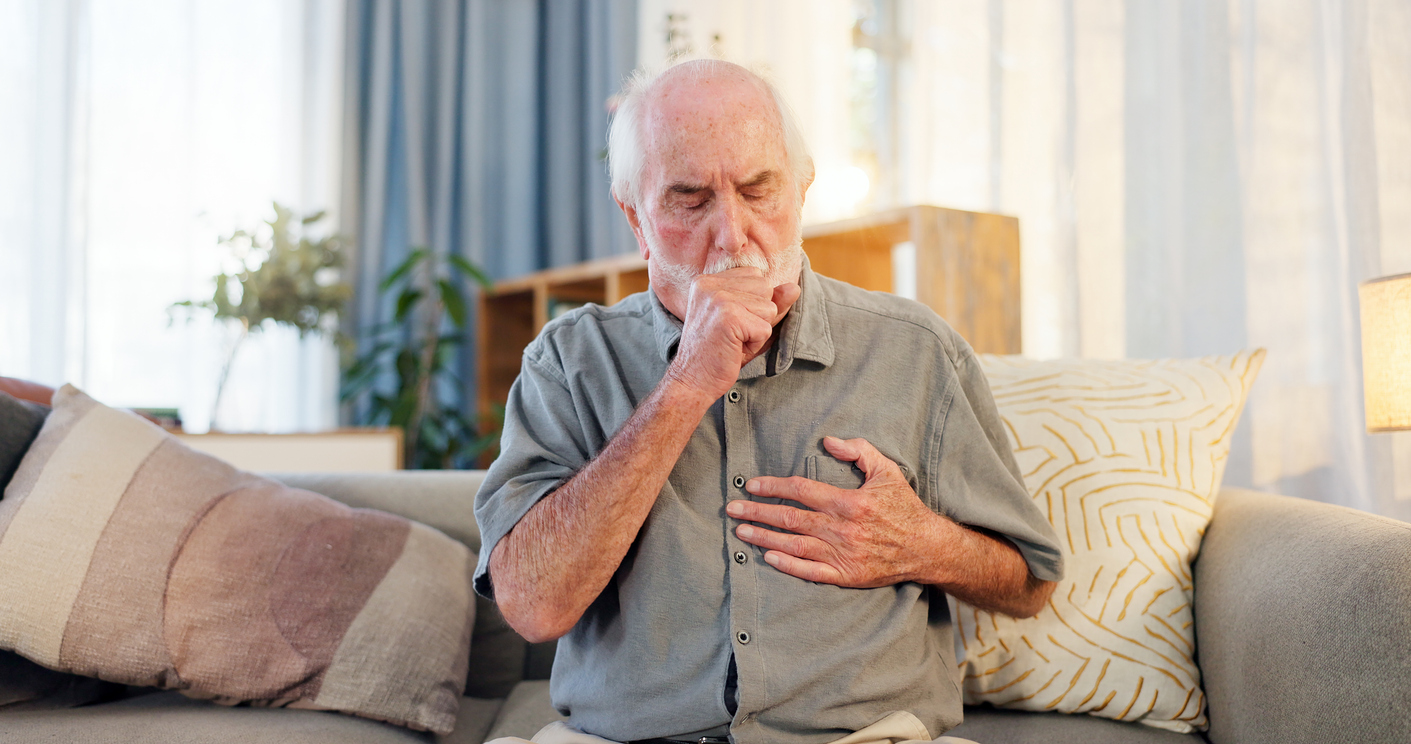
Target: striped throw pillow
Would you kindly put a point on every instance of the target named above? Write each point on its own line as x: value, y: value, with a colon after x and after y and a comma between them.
x: 127, y: 556
x: 1125, y: 458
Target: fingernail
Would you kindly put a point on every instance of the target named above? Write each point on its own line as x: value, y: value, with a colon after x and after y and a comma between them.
x: 734, y: 509
x: 746, y: 531
x: 752, y: 485
x: 771, y: 559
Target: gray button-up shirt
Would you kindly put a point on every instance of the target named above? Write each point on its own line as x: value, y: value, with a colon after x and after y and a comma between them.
x: 649, y: 658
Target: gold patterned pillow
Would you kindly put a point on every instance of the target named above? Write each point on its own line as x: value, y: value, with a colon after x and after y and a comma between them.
x: 1125, y: 459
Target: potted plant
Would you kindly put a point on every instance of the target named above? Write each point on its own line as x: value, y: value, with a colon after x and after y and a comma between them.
x: 406, y: 376
x: 285, y: 275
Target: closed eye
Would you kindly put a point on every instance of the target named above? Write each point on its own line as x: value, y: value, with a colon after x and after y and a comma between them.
x: 690, y: 196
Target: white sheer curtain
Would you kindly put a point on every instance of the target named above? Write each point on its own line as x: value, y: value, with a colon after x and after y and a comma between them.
x: 803, y: 45
x: 1191, y: 176
x: 136, y: 134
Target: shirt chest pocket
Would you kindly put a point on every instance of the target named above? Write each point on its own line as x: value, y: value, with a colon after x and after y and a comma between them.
x: 832, y: 471
x: 843, y: 474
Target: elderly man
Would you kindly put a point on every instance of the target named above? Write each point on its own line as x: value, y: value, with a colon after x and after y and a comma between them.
x: 737, y: 498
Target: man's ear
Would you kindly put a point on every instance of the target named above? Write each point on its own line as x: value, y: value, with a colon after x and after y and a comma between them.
x: 806, y: 182
x: 635, y: 221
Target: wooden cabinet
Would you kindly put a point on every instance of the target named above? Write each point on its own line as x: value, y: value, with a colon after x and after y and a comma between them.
x: 966, y: 269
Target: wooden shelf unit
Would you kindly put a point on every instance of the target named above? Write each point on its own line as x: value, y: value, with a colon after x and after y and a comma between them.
x: 967, y: 265
x: 967, y: 270
x: 514, y: 312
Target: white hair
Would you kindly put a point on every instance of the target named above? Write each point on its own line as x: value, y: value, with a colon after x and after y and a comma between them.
x: 627, y: 145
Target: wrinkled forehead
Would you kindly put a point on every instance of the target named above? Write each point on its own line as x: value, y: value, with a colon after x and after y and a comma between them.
x: 702, y: 127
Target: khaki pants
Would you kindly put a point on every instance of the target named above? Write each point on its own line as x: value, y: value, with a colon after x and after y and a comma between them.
x: 900, y: 727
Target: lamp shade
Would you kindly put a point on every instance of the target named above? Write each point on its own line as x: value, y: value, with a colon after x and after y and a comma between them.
x: 1386, y: 351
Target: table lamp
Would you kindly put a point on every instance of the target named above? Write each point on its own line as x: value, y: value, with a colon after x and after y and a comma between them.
x: 1386, y: 351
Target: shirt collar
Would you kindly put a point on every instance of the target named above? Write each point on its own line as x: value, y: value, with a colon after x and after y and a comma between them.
x: 667, y: 327
x: 805, y: 333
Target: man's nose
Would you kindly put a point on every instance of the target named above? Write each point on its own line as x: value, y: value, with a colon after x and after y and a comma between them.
x: 730, y: 226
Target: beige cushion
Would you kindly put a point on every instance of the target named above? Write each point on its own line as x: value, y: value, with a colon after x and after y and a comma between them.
x: 1125, y: 458
x: 126, y: 556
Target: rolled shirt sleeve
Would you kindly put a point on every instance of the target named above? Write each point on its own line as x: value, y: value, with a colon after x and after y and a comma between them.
x: 977, y: 479
x: 539, y: 451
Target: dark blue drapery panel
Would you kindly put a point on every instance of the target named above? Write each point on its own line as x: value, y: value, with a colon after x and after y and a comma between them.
x: 477, y: 127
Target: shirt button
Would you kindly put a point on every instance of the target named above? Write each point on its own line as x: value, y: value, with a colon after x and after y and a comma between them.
x: 740, y: 556
x: 742, y: 637
x: 739, y: 481
x: 734, y: 396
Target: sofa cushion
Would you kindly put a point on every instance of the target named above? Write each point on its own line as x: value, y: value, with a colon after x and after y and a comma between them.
x: 497, y: 654
x: 170, y: 717
x: 25, y: 685
x: 127, y: 556
x: 988, y: 725
x: 444, y: 499
x: 527, y: 710
x: 1125, y: 458
x: 20, y: 421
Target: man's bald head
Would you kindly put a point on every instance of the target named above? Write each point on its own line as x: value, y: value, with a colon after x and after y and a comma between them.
x: 645, y: 94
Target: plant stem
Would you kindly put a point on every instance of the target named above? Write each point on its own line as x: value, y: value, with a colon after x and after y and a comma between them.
x: 225, y: 370
x: 428, y: 358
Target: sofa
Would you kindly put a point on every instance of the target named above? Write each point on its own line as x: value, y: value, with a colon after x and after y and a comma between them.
x: 1302, y: 612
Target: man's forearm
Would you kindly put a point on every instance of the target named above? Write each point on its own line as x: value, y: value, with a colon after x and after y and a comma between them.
x: 984, y: 571
x: 561, y: 555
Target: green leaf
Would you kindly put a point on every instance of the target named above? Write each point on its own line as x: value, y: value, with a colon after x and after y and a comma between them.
x: 405, y: 303
x: 356, y: 380
x: 407, y: 365
x: 381, y: 407
x: 470, y: 269
x: 354, y: 387
x: 433, y: 435
x: 454, y: 301
x: 402, y: 411
x: 368, y: 358
x: 402, y: 269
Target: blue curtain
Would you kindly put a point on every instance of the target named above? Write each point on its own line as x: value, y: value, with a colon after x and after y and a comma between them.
x: 477, y: 127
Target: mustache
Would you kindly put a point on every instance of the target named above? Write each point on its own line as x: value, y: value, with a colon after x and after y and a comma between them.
x: 725, y: 263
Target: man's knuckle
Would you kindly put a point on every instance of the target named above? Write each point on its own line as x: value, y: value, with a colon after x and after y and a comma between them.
x: 792, y: 520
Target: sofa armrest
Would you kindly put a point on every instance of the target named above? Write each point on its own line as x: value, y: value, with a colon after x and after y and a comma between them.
x: 1303, y: 622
